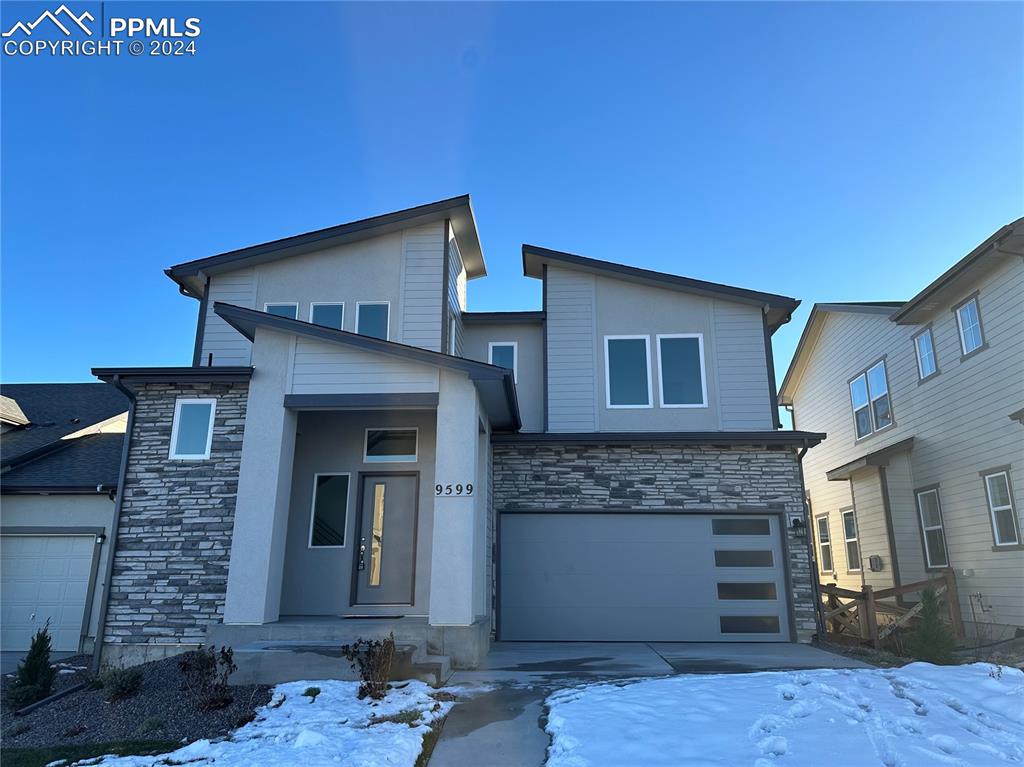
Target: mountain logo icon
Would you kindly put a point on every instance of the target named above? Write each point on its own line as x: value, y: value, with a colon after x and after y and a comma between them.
x: 63, y: 18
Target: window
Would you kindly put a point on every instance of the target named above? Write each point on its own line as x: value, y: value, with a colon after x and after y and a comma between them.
x: 330, y: 511
x: 968, y: 320
x: 743, y: 558
x: 681, y: 370
x: 852, y: 547
x: 390, y: 445
x: 924, y: 346
x: 291, y: 311
x: 1005, y: 530
x: 328, y: 315
x: 453, y: 335
x: 869, y: 395
x: 373, y: 319
x: 741, y: 526
x: 824, y: 545
x: 930, y: 514
x: 746, y: 591
x: 627, y: 371
x: 504, y: 354
x: 749, y: 624
x: 192, y: 429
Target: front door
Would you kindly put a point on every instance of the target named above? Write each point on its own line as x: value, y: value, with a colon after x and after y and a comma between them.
x: 386, y: 550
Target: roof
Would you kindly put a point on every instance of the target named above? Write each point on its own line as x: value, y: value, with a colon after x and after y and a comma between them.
x: 780, y: 308
x: 878, y: 457
x: 501, y: 318
x: 1007, y: 241
x: 82, y: 464
x: 55, y: 410
x: 495, y: 384
x: 190, y: 275
x: 801, y: 438
x: 223, y: 373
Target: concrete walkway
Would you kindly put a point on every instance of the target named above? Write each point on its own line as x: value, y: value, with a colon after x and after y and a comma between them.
x: 500, y: 723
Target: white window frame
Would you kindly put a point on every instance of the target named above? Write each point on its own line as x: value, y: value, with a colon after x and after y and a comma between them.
x: 314, y: 304
x: 847, y: 541
x: 608, y: 374
x: 1005, y: 474
x: 387, y: 458
x: 871, y: 400
x: 268, y: 304
x: 312, y: 507
x: 703, y: 375
x: 925, y: 529
x: 515, y: 355
x: 960, y: 326
x: 822, y: 544
x: 926, y: 333
x: 178, y: 403
x: 359, y: 307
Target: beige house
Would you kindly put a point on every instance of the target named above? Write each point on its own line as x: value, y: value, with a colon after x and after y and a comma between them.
x: 923, y: 404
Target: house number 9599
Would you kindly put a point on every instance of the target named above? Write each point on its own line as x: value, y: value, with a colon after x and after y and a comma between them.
x: 457, y: 489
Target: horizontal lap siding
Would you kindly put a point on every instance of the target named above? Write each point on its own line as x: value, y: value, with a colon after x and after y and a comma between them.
x: 422, y: 267
x: 456, y: 293
x: 571, y: 354
x: 228, y: 346
x: 320, y: 368
x: 742, y: 367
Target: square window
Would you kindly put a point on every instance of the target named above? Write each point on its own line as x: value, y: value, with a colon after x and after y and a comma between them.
x: 373, y: 319
x: 969, y: 321
x: 328, y: 315
x: 504, y: 354
x: 291, y: 311
x: 390, y: 445
x: 192, y: 429
x: 681, y: 370
x: 924, y: 347
x: 330, y: 510
x: 627, y: 371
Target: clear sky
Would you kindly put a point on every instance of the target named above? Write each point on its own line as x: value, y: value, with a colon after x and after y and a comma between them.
x: 831, y: 152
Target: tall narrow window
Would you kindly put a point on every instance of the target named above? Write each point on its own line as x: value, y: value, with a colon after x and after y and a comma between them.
x: 1005, y: 529
x: 453, y: 333
x: 850, y: 538
x: 930, y: 513
x: 192, y: 429
x: 968, y: 319
x: 824, y: 545
x: 869, y: 395
x: 627, y: 371
x: 372, y: 319
x: 289, y: 310
x: 330, y: 510
x: 377, y: 533
x: 504, y: 354
x: 390, y: 445
x: 328, y: 315
x: 924, y: 347
x: 681, y: 370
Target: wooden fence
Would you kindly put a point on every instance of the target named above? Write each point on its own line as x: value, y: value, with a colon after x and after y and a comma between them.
x: 858, y: 617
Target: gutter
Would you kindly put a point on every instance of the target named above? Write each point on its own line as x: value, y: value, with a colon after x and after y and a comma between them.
x: 101, y: 623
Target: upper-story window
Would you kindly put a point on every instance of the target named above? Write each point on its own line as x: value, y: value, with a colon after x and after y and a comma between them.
x: 851, y: 541
x: 681, y: 370
x: 869, y: 394
x: 504, y: 354
x: 924, y: 348
x: 289, y: 310
x: 192, y: 429
x: 968, y: 320
x: 373, y: 319
x: 327, y: 314
x: 627, y: 371
x: 1005, y: 530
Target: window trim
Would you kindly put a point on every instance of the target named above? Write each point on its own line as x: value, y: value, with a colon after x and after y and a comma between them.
x: 515, y: 355
x: 855, y: 539
x: 608, y: 373
x: 883, y: 361
x: 176, y: 422
x: 996, y: 545
x: 918, y: 492
x: 387, y: 458
x: 312, y: 507
x: 452, y: 335
x: 960, y: 328
x: 361, y: 304
x: 703, y: 373
x: 268, y: 304
x: 926, y: 330
x: 831, y: 549
x: 314, y: 304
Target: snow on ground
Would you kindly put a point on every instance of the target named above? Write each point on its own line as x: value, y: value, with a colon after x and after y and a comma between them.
x: 333, y: 729
x: 916, y: 716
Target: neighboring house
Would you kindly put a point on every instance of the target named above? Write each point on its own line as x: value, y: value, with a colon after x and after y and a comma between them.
x: 352, y: 450
x: 61, y: 454
x: 922, y: 401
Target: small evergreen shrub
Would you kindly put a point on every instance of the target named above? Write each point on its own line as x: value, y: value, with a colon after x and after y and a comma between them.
x: 205, y: 673
x: 931, y: 639
x: 311, y: 693
x: 34, y: 679
x: 372, y: 659
x: 120, y: 683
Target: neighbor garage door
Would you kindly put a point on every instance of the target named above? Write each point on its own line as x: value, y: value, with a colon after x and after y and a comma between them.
x: 44, y: 577
x: 641, y: 577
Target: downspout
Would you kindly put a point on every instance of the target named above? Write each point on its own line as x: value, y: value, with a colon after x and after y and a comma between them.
x: 101, y: 623
x: 815, y: 585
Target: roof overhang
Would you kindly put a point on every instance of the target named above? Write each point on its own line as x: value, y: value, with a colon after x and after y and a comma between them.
x: 778, y: 309
x: 879, y: 457
x: 724, y: 438
x: 495, y: 384
x: 174, y: 375
x: 191, y: 275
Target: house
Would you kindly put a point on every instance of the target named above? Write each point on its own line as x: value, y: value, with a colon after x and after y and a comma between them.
x: 924, y: 465
x: 352, y: 451
x: 61, y: 454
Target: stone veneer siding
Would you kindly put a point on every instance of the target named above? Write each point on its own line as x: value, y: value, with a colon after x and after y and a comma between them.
x: 174, y: 534
x: 663, y: 477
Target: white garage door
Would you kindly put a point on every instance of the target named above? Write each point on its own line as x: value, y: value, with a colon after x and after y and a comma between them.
x: 642, y: 577
x: 44, y: 577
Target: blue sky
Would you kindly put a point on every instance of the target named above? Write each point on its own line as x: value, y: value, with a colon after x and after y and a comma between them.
x: 825, y: 151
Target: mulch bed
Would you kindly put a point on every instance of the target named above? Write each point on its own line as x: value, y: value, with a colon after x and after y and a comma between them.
x: 161, y: 710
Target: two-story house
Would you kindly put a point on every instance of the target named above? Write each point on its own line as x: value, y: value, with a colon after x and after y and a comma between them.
x: 923, y: 469
x: 353, y: 451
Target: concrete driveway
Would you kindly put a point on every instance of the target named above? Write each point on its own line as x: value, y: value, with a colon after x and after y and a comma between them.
x: 503, y: 715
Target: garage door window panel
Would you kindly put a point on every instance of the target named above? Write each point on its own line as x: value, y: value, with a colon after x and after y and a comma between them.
x: 747, y: 591
x: 749, y: 624
x: 743, y: 558
x: 741, y: 526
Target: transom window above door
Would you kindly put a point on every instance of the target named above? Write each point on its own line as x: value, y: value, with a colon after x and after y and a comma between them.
x: 373, y: 319
x: 330, y: 315
x: 390, y: 445
x: 289, y: 310
x: 869, y: 395
x: 627, y: 371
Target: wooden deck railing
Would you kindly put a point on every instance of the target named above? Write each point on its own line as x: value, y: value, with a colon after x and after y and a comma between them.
x: 858, y: 617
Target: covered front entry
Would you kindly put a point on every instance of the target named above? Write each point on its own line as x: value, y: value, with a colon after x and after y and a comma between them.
x: 635, y: 576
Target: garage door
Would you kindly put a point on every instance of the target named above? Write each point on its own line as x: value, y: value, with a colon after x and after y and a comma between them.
x: 44, y: 577
x: 641, y: 577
